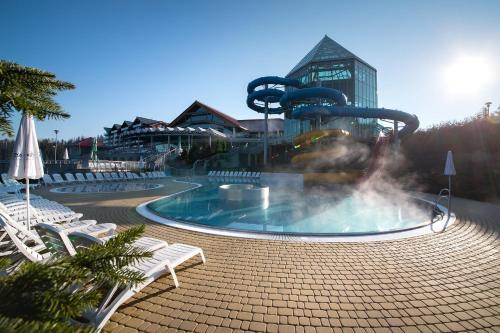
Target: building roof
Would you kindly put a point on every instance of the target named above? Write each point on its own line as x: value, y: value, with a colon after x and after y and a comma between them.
x: 180, y: 118
x: 87, y: 142
x: 126, y: 123
x: 257, y: 125
x: 326, y: 49
x: 147, y: 121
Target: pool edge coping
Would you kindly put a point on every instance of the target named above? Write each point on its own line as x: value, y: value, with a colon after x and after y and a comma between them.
x: 54, y: 189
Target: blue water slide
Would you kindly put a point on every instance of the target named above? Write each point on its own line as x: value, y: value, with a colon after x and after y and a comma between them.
x: 295, y: 99
x: 319, y: 92
x: 271, y: 95
x: 411, y: 121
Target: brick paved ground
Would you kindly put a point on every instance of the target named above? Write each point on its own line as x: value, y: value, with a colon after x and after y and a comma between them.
x: 446, y: 282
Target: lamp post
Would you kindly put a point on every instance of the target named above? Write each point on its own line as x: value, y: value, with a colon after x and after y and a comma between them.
x: 487, y: 109
x: 55, y: 149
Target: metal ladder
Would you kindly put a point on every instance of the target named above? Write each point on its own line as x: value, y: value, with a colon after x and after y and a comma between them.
x: 437, y: 213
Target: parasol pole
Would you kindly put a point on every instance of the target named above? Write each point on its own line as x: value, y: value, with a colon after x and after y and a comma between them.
x: 28, y: 202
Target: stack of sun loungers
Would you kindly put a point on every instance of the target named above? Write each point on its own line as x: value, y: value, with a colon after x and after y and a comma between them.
x: 93, y: 177
x: 237, y: 176
x: 57, y: 230
x: 11, y: 185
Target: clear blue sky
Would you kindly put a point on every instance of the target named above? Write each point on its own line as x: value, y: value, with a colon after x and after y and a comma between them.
x: 154, y: 58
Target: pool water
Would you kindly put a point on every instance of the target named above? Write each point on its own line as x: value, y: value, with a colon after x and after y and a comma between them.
x: 293, y: 212
x: 106, y: 187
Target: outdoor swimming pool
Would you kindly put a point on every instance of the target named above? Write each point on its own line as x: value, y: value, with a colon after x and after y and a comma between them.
x: 106, y: 188
x: 292, y: 212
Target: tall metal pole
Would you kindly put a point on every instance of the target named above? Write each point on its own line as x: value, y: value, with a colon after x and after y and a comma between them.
x: 449, y: 196
x: 266, y: 116
x: 55, y: 150
x: 396, y: 135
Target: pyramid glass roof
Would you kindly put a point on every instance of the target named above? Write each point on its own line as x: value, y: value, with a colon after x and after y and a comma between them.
x: 326, y: 49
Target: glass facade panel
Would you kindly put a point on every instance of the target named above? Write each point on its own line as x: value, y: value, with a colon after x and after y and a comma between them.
x: 203, y: 117
x: 354, y: 79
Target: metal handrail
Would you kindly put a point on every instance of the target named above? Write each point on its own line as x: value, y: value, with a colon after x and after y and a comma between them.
x: 443, y: 194
x: 206, y: 160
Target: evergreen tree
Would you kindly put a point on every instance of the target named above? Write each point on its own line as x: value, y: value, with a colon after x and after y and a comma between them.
x: 28, y: 90
x: 43, y: 297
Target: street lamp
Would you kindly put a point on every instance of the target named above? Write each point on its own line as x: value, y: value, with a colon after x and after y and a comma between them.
x: 487, y: 109
x: 55, y: 150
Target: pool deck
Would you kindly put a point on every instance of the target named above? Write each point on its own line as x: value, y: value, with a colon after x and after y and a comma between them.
x: 448, y: 282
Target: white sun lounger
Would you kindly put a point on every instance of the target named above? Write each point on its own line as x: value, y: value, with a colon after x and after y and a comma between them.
x: 58, y: 179
x: 52, y: 235
x: 107, y: 176
x: 11, y: 183
x: 47, y: 180
x: 99, y: 177
x: 80, y: 177
x: 73, y: 241
x: 46, y: 216
x: 89, y: 177
x: 163, y: 260
x: 5, y: 189
x: 70, y: 178
x: 28, y: 242
x: 25, y: 241
x: 132, y: 175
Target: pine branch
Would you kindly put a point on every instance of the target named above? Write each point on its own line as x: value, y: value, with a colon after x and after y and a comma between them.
x: 4, y: 263
x: 28, y: 90
x: 18, y: 325
x: 64, y: 287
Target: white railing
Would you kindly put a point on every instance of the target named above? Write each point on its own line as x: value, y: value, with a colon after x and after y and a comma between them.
x: 107, y: 165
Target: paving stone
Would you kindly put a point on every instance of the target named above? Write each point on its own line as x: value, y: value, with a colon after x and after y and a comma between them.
x: 430, y: 283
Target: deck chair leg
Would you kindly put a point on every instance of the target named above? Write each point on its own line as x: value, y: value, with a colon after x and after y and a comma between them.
x: 174, y: 276
x: 202, y: 256
x: 105, y: 313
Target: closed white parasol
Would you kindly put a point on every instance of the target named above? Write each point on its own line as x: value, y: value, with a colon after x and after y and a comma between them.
x: 66, y: 155
x: 26, y: 162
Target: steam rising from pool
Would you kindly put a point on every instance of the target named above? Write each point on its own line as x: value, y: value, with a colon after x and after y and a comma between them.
x: 377, y: 197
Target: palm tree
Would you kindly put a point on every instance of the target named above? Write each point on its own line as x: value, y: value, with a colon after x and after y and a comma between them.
x: 28, y: 90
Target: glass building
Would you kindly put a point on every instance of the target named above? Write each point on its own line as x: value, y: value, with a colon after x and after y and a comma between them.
x: 330, y: 65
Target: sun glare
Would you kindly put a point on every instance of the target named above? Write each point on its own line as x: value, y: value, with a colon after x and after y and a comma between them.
x: 468, y: 74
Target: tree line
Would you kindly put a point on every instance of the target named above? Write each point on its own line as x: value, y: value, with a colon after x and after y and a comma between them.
x: 475, y: 143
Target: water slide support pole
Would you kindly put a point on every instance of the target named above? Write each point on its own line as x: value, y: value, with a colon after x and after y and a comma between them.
x: 396, y: 135
x: 266, y: 116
